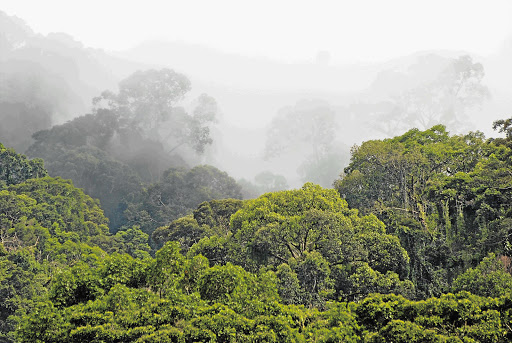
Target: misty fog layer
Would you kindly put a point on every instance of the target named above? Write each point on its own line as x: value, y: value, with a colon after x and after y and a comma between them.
x: 271, y: 125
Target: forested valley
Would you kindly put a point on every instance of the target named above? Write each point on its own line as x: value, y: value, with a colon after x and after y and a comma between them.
x: 115, y: 226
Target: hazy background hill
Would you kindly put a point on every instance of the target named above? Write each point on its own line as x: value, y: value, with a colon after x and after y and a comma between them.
x: 57, y: 76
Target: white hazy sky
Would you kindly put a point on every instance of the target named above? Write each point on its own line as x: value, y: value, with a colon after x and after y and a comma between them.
x: 289, y: 30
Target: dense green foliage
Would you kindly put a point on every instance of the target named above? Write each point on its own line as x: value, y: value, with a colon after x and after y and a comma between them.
x: 412, y: 246
x: 446, y: 197
x: 175, y: 299
x: 16, y: 168
x: 47, y: 224
x: 318, y: 247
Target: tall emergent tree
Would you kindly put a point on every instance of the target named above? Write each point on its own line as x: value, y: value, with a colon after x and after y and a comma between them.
x: 147, y: 103
x: 131, y: 138
x: 319, y: 247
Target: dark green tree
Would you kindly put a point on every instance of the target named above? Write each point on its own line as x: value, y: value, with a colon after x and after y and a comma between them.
x: 178, y: 193
x: 16, y: 168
